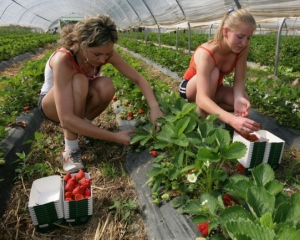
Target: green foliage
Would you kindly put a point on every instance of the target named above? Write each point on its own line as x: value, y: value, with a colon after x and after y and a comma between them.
x: 29, y: 165
x: 124, y: 209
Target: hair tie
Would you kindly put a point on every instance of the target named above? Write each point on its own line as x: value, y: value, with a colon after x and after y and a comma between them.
x: 230, y: 11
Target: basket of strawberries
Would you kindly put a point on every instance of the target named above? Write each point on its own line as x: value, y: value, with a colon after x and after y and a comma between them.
x: 262, y: 147
x: 78, y: 201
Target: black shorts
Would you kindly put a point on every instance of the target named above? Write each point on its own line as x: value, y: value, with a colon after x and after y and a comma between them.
x: 182, y: 88
x: 41, y: 109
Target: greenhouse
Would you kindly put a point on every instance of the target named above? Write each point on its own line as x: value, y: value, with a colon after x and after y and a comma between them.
x: 134, y: 152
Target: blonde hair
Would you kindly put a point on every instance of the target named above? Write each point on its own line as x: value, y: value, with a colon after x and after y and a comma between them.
x: 232, y: 20
x: 92, y: 31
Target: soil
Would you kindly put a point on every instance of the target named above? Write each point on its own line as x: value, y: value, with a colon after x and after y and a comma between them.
x: 110, y: 183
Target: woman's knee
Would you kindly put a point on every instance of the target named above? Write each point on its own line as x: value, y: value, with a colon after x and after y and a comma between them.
x: 102, y: 87
x: 80, y: 85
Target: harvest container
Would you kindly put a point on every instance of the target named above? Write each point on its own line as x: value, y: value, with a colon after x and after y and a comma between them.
x: 80, y: 211
x: 46, y: 203
x: 267, y: 149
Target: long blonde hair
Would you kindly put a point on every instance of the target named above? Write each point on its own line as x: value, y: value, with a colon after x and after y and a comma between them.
x: 92, y: 31
x: 232, y: 20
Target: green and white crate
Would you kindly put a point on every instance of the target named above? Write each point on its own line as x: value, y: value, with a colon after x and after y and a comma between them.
x: 80, y: 211
x: 267, y: 149
x: 46, y: 203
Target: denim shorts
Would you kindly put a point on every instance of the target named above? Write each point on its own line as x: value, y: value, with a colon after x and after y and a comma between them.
x: 41, y: 109
x: 182, y: 88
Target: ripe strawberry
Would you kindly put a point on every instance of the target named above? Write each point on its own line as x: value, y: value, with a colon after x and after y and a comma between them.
x: 229, y: 200
x: 68, y: 195
x: 141, y: 111
x: 87, y: 193
x: 78, y: 190
x: 80, y: 175
x: 70, y: 186
x: 203, y: 228
x: 153, y: 153
x: 79, y: 197
x: 85, y: 182
x: 69, y: 199
x: 26, y: 108
x: 252, y: 137
x: 115, y: 98
x: 130, y: 114
x: 241, y: 168
x: 67, y: 177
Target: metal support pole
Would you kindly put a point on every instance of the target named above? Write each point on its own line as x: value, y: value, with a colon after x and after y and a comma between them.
x: 177, y: 32
x: 189, y: 37
x: 278, y: 46
x: 210, y: 28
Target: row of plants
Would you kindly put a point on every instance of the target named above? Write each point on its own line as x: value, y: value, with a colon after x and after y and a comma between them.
x: 14, y: 44
x: 193, y: 171
x: 263, y: 47
x: 270, y: 96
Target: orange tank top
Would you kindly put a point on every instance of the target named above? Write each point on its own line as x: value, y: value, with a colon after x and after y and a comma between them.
x: 191, y: 71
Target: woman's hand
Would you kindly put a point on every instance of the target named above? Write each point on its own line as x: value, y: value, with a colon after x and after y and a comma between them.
x: 241, y: 107
x: 245, y: 125
x: 155, y: 113
x: 123, y: 137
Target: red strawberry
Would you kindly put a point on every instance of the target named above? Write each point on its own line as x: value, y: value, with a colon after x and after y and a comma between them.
x: 252, y: 137
x: 241, y: 168
x: 68, y: 195
x: 115, y: 98
x: 153, y: 153
x: 67, y: 177
x: 79, y: 197
x: 130, y: 114
x: 203, y: 228
x: 70, y: 186
x: 229, y: 200
x: 78, y: 190
x: 141, y: 111
x: 87, y: 193
x: 80, y: 175
x: 85, y: 182
x: 27, y: 108
x: 69, y: 199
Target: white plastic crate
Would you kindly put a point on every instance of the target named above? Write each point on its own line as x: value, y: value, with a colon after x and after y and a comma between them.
x: 46, y: 203
x: 267, y: 149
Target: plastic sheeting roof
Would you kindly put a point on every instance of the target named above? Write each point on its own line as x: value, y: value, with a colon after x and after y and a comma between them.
x: 146, y: 13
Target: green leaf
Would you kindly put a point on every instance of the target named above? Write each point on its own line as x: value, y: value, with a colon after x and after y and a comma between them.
x: 238, y: 189
x: 192, y: 207
x: 263, y: 174
x: 179, y: 157
x: 181, y: 125
x: 239, y: 228
x: 205, y: 154
x: 266, y: 221
x: 235, y: 151
x: 287, y: 212
x: 138, y: 137
x: 181, y: 140
x: 234, y: 212
x: 295, y: 198
x: 288, y: 232
x: 179, y: 201
x: 274, y: 187
x: 260, y: 201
